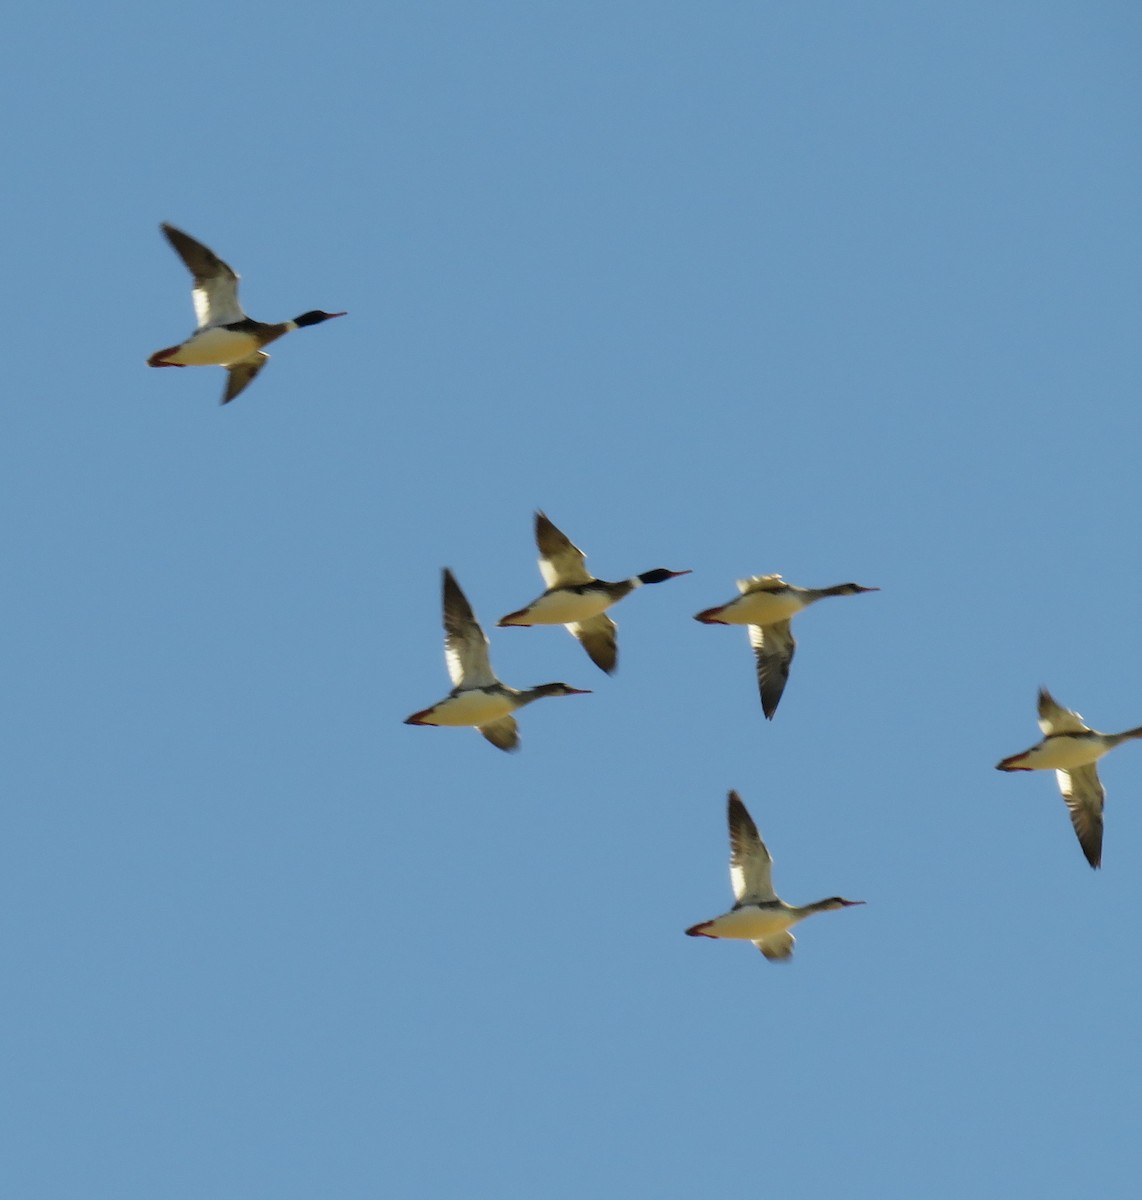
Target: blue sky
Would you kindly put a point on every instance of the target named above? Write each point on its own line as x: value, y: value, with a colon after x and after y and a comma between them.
x: 838, y: 291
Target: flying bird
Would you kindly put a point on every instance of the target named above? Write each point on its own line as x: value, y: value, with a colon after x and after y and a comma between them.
x: 225, y: 336
x: 1071, y: 748
x: 758, y: 916
x: 767, y: 605
x: 477, y: 697
x: 575, y: 598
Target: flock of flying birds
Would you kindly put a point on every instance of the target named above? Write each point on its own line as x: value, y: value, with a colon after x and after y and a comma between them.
x: 574, y: 598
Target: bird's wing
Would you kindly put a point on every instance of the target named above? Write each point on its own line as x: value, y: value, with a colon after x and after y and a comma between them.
x: 760, y: 583
x: 599, y: 638
x: 465, y: 645
x: 215, y: 283
x: 560, y: 561
x: 1054, y: 718
x: 503, y: 733
x: 751, y: 868
x: 778, y: 947
x: 241, y: 374
x: 773, y: 647
x: 1083, y: 791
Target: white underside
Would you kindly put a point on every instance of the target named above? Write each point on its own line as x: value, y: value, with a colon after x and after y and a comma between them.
x: 750, y: 924
x: 214, y: 348
x: 565, y: 608
x: 469, y: 708
x: 1063, y: 753
x: 761, y: 608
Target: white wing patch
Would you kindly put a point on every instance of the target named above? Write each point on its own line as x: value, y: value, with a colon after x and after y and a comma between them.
x: 778, y: 946
x: 465, y: 644
x: 773, y: 647
x: 561, y: 562
x: 216, y: 301
x: 1054, y: 718
x: 751, y: 867
x: 1085, y: 796
x: 760, y: 583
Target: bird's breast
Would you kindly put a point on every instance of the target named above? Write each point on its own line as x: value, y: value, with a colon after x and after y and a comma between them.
x: 564, y: 606
x: 1064, y: 752
x: 750, y: 923
x: 762, y: 608
x: 215, y: 347
x: 472, y: 707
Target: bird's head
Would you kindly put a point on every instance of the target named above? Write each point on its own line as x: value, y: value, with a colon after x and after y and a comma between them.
x: 315, y: 317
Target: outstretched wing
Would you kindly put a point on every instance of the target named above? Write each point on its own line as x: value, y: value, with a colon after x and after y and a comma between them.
x: 1083, y: 791
x: 215, y: 283
x: 773, y: 647
x: 599, y: 638
x: 503, y: 733
x: 778, y: 947
x: 241, y: 374
x: 1054, y: 718
x: 751, y: 867
x: 465, y: 645
x: 560, y: 561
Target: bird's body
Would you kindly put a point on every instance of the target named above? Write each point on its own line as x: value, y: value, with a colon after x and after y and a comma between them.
x: 473, y: 706
x: 758, y: 915
x: 478, y: 698
x: 575, y: 598
x: 1063, y: 752
x: 1071, y: 748
x: 767, y: 605
x: 764, y: 600
x: 753, y: 923
x: 225, y: 336
x: 216, y: 346
x: 566, y: 605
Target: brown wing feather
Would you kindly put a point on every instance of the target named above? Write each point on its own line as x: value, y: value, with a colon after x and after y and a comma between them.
x: 561, y: 562
x: 1054, y: 718
x: 200, y: 260
x: 242, y: 374
x: 599, y: 637
x: 751, y: 866
x: 1085, y: 796
x: 773, y: 648
x: 465, y: 644
x: 503, y: 733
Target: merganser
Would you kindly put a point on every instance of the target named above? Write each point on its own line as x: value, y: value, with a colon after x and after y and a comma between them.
x: 478, y: 698
x: 225, y: 336
x: 575, y: 598
x: 1071, y: 748
x: 758, y: 916
x: 767, y: 604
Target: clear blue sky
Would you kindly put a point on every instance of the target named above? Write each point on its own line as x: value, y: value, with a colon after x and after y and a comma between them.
x: 842, y: 291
